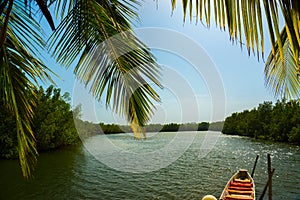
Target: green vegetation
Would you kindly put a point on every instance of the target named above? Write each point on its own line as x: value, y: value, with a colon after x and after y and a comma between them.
x: 203, y: 126
x: 112, y: 128
x: 279, y: 122
x: 53, y: 124
x: 172, y: 127
x: 87, y: 129
x: 216, y: 126
x: 82, y: 28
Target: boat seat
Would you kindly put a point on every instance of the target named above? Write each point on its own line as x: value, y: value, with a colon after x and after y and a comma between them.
x: 242, y: 180
x: 238, y: 197
x: 241, y: 184
x: 239, y: 192
x: 240, y: 188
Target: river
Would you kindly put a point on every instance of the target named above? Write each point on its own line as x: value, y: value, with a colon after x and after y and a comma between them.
x: 75, y: 173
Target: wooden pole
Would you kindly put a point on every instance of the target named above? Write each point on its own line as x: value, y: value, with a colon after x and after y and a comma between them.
x: 252, y: 173
x: 266, y: 186
x: 270, y: 176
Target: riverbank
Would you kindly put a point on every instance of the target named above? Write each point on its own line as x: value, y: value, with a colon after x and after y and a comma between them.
x: 275, y: 122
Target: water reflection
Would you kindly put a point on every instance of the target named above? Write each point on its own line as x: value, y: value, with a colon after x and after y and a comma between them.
x: 52, y: 178
x: 73, y: 173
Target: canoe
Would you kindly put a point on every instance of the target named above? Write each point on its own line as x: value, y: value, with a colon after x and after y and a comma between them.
x: 239, y: 187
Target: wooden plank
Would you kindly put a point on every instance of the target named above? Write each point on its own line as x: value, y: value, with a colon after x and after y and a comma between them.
x: 244, y: 192
x: 238, y: 197
x: 241, y: 188
x: 242, y: 180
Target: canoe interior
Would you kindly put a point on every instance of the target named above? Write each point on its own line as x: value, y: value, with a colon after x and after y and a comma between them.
x: 239, y: 187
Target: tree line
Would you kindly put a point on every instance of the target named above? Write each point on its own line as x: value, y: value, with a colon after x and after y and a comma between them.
x: 279, y: 122
x: 54, y: 127
x: 87, y: 129
x: 52, y: 123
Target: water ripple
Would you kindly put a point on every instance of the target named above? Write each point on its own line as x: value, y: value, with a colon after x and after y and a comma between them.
x: 75, y: 174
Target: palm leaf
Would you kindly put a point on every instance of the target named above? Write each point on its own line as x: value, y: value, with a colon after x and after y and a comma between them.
x: 44, y: 9
x: 5, y: 24
x: 112, y: 59
x: 5, y: 11
x: 19, y: 73
x: 244, y: 19
x: 2, y: 6
x: 283, y: 80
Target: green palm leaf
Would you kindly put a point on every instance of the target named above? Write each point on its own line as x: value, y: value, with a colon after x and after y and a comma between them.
x: 120, y: 65
x: 244, y: 19
x: 283, y: 80
x: 19, y: 73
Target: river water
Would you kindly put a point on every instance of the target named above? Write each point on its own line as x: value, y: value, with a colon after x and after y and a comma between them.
x: 75, y: 173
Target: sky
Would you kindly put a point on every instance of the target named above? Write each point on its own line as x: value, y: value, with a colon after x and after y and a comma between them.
x: 204, y: 76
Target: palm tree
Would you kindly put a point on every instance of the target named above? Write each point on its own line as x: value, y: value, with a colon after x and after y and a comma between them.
x: 123, y: 66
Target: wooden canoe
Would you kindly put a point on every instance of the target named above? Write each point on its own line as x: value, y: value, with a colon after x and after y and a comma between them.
x: 239, y: 187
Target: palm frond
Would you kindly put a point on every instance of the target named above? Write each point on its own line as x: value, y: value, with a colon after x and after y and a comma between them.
x: 5, y: 11
x: 283, y: 80
x: 112, y: 59
x: 5, y: 24
x: 241, y: 18
x: 244, y: 21
x: 2, y: 6
x: 19, y: 72
x: 44, y: 9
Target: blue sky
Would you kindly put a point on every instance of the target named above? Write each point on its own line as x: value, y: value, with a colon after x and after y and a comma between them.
x: 242, y: 76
